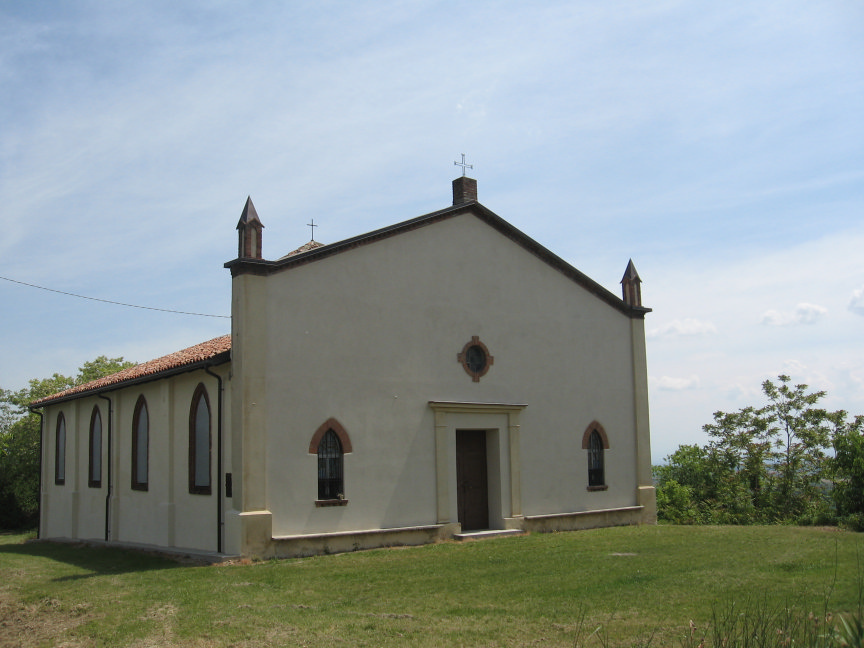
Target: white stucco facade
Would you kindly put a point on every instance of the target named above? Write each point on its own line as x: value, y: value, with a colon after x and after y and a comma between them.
x: 166, y: 514
x: 364, y: 338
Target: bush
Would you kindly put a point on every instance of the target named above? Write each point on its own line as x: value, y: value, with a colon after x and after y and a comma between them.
x: 675, y: 504
x: 853, y: 522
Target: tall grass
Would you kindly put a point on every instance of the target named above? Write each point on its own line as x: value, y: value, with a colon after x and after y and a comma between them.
x: 751, y: 624
x: 755, y: 622
x: 659, y: 586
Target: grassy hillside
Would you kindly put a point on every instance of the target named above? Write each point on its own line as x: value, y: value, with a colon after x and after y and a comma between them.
x: 603, y: 587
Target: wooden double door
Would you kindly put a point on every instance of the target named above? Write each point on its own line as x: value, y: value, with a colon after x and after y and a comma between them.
x: 472, y: 482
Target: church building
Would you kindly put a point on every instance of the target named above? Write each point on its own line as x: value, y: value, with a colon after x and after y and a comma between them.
x: 441, y: 377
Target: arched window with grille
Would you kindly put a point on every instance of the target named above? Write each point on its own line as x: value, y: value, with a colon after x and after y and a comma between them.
x: 60, y: 451
x: 140, y: 445
x: 596, y: 443
x: 331, y: 443
x: 199, y: 442
x: 595, y: 460
x: 330, y: 484
x: 94, y: 472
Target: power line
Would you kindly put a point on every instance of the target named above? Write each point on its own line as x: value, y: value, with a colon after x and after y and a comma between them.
x: 108, y: 301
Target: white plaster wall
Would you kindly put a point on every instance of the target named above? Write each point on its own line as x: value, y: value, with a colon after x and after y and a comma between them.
x: 196, y: 515
x: 370, y: 336
x: 57, y: 500
x: 166, y: 514
x: 140, y: 515
x: 91, y: 500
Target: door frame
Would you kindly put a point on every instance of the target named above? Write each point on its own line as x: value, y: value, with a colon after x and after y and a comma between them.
x: 502, y: 424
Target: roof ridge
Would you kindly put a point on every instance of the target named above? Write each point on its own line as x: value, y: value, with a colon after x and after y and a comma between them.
x: 151, y: 369
x: 306, y: 247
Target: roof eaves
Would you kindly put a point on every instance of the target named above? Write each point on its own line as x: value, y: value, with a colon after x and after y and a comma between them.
x: 218, y: 359
x: 552, y: 259
x: 260, y: 267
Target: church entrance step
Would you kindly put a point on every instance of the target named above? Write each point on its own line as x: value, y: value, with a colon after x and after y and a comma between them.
x: 488, y: 533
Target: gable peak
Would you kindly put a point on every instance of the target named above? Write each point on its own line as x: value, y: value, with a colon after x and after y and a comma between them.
x: 464, y: 190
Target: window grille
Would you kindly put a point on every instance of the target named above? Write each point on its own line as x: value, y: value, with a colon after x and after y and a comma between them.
x: 330, y: 485
x: 595, y: 460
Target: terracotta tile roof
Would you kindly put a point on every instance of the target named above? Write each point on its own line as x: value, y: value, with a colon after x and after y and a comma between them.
x: 311, y: 245
x: 151, y: 370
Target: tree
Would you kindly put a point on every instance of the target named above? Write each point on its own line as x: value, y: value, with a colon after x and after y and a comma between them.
x: 20, y: 432
x: 802, y: 433
x: 764, y: 464
x: 741, y: 441
x: 848, y: 471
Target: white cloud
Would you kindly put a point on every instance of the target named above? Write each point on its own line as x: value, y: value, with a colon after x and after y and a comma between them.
x: 803, y: 314
x: 816, y: 379
x: 849, y: 381
x: 738, y: 391
x: 795, y: 369
x: 856, y: 301
x: 638, y: 124
x: 667, y: 383
x: 686, y: 327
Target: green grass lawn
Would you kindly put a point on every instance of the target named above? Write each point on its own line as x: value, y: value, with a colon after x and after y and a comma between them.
x: 543, y: 590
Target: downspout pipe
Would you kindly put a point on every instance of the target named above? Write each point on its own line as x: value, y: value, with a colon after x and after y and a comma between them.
x: 108, y: 474
x: 220, y: 522
x: 39, y: 494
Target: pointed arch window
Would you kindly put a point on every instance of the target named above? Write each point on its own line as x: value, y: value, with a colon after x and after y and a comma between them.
x: 199, y: 442
x: 94, y: 472
x: 595, y: 460
x: 596, y: 443
x: 330, y: 442
x: 140, y: 445
x: 330, y: 483
x: 60, y: 451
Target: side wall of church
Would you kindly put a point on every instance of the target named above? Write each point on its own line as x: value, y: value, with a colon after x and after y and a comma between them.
x: 370, y: 337
x: 161, y: 511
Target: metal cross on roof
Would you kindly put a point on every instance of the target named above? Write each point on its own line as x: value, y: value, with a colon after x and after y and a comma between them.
x: 463, y: 165
x: 313, y: 226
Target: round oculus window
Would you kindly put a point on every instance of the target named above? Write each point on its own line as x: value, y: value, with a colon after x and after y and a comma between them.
x: 475, y: 358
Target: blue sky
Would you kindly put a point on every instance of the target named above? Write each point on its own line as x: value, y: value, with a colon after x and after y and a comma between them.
x: 718, y: 145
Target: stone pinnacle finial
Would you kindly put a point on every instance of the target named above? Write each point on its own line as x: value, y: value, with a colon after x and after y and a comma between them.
x: 249, y: 232
x: 631, y: 286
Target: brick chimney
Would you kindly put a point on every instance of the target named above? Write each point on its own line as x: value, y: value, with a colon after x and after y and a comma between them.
x: 464, y: 190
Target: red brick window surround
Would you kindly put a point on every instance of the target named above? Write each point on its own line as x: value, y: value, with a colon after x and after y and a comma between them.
x: 140, y: 445
x: 475, y: 358
x: 596, y: 442
x: 94, y: 471
x: 200, y: 443
x: 336, y: 426
x: 330, y: 442
x: 60, y: 451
